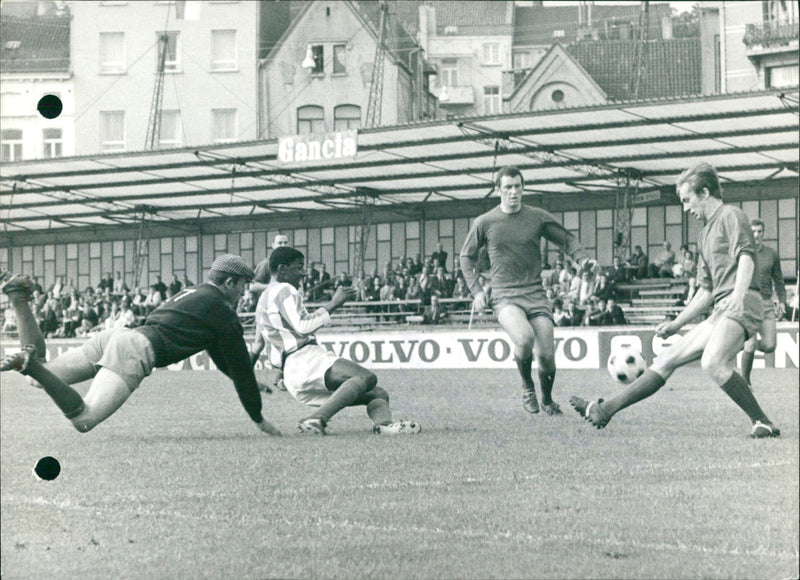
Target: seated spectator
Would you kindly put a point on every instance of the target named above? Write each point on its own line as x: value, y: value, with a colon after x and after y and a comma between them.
x: 604, y: 289
x: 560, y: 316
x: 127, y: 318
x: 575, y: 314
x: 441, y: 284
x: 35, y: 286
x: 50, y: 321
x: 400, y: 289
x: 325, y: 282
x: 119, y: 287
x: 586, y: 288
x: 614, y: 314
x: 9, y: 320
x: 90, y: 314
x: 617, y: 273
x: 461, y: 289
x: 573, y: 290
x: 662, y: 266
x: 185, y: 281
x: 360, y: 284
x: 106, y: 282
x: 175, y: 286
x: 85, y: 329
x: 138, y: 302
x: 434, y: 312
x: 153, y: 300
x: 687, y: 268
x: 637, y: 264
x: 247, y: 303
x: 596, y: 313
x: 342, y: 280
x: 387, y: 294
x: 112, y: 316
x: 549, y: 276
x: 373, y: 293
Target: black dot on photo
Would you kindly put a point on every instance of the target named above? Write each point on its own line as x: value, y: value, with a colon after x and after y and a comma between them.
x: 49, y: 106
x: 47, y: 468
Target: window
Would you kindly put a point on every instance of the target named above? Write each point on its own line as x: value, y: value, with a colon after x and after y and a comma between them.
x: 521, y: 60
x: 112, y: 52
x: 346, y: 117
x: 449, y: 73
x: 223, y: 50
x: 52, y: 141
x: 491, y: 53
x: 559, y: 33
x: 557, y: 96
x: 172, y: 62
x: 339, y: 59
x: 491, y: 100
x: 11, y: 145
x: 224, y: 125
x: 170, y: 134
x: 318, y: 55
x: 310, y: 119
x: 112, y: 130
x: 782, y: 76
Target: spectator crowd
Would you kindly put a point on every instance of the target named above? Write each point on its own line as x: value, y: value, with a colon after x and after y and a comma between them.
x: 587, y: 298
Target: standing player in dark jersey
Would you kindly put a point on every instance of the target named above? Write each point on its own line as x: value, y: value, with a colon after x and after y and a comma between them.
x: 768, y: 274
x: 197, y: 318
x: 725, y: 279
x: 511, y: 234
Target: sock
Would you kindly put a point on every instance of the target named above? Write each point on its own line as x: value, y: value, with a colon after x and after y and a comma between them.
x: 639, y: 389
x: 27, y: 326
x: 344, y: 396
x: 738, y: 390
x: 379, y: 411
x: 65, y: 397
x: 747, y: 364
x: 524, y: 368
x: 546, y: 379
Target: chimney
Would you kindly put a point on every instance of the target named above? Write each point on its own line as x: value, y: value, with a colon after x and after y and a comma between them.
x: 666, y: 28
x: 427, y: 24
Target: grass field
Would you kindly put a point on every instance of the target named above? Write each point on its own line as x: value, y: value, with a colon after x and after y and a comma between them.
x: 180, y: 484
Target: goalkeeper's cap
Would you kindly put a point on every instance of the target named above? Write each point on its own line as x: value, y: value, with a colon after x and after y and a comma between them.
x: 234, y: 265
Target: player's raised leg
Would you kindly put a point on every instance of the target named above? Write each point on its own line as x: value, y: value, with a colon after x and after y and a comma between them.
x: 544, y: 349
x: 718, y: 361
x: 689, y: 348
x: 515, y: 322
x: 19, y: 290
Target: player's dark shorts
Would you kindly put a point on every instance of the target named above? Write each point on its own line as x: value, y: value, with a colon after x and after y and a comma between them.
x: 533, y: 302
x: 749, y: 316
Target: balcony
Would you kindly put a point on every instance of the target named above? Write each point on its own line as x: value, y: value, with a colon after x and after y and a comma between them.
x: 457, y: 95
x: 770, y: 37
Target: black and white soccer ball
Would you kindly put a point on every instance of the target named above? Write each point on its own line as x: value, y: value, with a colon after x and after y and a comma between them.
x: 625, y: 364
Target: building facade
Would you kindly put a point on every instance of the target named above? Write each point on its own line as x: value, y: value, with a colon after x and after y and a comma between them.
x: 209, y: 92
x: 470, y: 44
x: 35, y: 65
x: 318, y: 76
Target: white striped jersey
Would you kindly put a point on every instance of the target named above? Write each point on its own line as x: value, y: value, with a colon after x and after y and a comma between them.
x: 284, y: 322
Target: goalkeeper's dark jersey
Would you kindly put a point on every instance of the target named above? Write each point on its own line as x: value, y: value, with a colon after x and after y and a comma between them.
x: 201, y: 318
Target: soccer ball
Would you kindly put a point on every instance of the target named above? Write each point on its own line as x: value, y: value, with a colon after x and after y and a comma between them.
x: 625, y: 364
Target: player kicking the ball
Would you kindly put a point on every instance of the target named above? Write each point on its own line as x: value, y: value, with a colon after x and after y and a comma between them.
x: 725, y: 278
x: 312, y: 374
x: 511, y: 234
x: 197, y: 318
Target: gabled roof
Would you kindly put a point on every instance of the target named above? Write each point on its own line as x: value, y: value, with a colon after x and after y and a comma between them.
x: 557, y: 65
x: 534, y: 25
x: 671, y: 67
x: 399, y: 42
x: 474, y: 17
x: 34, y: 44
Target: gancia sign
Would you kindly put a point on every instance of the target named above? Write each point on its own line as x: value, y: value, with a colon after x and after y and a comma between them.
x: 314, y: 148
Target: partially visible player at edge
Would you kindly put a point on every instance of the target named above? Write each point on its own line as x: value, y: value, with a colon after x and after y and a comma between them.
x: 313, y: 375
x: 725, y: 266
x: 201, y: 317
x: 260, y: 282
x: 768, y: 274
x: 511, y: 234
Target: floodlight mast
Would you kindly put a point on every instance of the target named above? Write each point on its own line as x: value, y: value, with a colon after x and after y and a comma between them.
x: 375, y: 100
x: 154, y: 121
